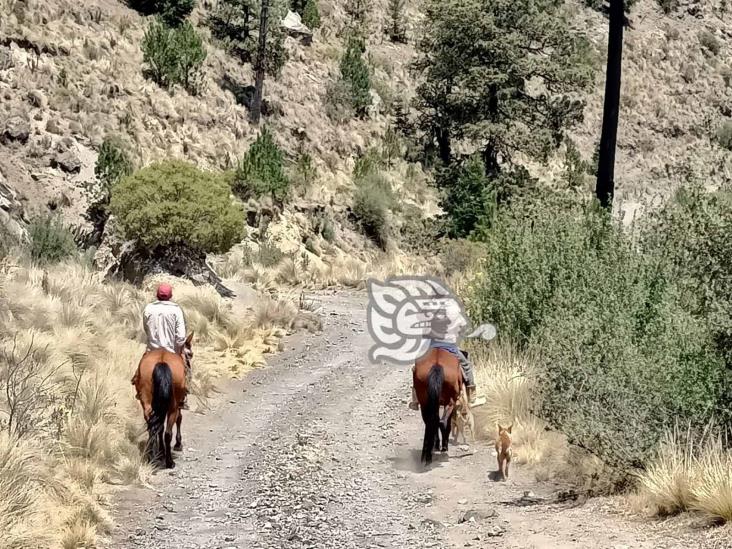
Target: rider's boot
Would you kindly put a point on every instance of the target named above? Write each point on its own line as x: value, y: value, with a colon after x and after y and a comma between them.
x: 473, y: 399
x: 414, y: 404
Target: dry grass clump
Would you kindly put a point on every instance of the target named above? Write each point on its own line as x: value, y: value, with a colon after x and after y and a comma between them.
x: 70, y: 427
x: 691, y: 472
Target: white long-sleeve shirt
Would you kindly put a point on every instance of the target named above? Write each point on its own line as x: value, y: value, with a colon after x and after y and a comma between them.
x: 165, y: 326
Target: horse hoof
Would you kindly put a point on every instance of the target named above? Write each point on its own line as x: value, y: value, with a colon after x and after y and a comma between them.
x: 178, y: 447
x: 170, y: 465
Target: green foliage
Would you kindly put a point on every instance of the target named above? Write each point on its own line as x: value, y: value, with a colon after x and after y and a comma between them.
x: 668, y: 6
x: 391, y: 146
x: 358, y: 11
x: 709, y: 42
x: 624, y: 347
x: 338, y: 103
x: 575, y: 167
x: 724, y: 135
x: 268, y: 254
x: 173, y: 55
x: 311, y: 15
x: 396, y: 30
x: 355, y: 74
x: 305, y: 172
x: 113, y: 164
x: 371, y: 204
x: 50, y: 241
x: 368, y: 164
x: 173, y: 12
x: 236, y: 24
x: 261, y: 171
x: 471, y: 198
x: 173, y: 202
x: 478, y: 61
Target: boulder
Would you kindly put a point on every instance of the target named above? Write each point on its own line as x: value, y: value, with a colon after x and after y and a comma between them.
x: 15, y: 128
x: 294, y: 26
x: 67, y: 161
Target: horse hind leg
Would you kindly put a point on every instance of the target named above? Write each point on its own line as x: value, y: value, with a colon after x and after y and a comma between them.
x: 168, y: 439
x: 178, y: 437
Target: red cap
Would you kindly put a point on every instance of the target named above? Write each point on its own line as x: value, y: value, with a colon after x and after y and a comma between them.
x: 165, y: 292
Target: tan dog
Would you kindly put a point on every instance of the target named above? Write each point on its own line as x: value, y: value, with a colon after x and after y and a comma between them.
x: 462, y: 419
x: 503, y: 449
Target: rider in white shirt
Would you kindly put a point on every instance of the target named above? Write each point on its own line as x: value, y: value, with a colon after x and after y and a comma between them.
x: 165, y: 326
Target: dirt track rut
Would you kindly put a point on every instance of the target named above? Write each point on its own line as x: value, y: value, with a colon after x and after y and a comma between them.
x: 318, y: 450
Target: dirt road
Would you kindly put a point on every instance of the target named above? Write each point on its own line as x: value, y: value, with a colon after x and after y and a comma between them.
x: 320, y: 451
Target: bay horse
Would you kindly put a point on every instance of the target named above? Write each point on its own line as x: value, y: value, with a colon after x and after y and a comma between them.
x: 161, y: 386
x: 438, y: 381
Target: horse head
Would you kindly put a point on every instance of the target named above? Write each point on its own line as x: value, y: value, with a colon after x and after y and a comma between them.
x: 187, y: 350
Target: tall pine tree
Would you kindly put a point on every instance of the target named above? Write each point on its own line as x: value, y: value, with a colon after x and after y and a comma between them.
x: 499, y: 77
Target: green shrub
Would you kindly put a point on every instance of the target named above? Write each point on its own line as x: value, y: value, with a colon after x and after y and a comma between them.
x: 174, y: 202
x: 369, y: 163
x: 668, y: 6
x: 173, y: 55
x: 269, y: 255
x: 173, y: 12
x: 371, y: 204
x: 50, y: 240
x: 724, y: 135
x: 260, y: 172
x: 337, y: 100
x: 709, y: 42
x: 305, y: 172
x: 311, y: 14
x: 620, y: 352
x: 355, y: 74
x: 113, y: 164
x: 575, y: 167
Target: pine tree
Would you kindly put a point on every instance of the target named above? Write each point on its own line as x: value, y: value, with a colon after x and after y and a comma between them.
x: 311, y: 14
x: 500, y: 77
x: 261, y: 170
x: 173, y: 12
x: 356, y: 74
x: 396, y: 29
x: 236, y: 24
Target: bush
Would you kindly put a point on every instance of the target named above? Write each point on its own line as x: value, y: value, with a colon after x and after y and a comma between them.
x: 311, y: 14
x: 173, y: 202
x: 173, y: 12
x: 372, y: 201
x: 260, y: 172
x: 113, y: 164
x: 710, y: 42
x: 724, y: 135
x: 338, y: 104
x: 355, y: 74
x: 173, y: 55
x: 620, y: 348
x: 50, y: 240
x: 668, y: 6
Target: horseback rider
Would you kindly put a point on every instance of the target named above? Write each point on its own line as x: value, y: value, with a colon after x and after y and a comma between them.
x: 165, y: 327
x: 444, y: 334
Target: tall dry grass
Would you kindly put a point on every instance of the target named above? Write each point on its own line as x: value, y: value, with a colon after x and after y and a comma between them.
x: 70, y: 428
x: 692, y: 472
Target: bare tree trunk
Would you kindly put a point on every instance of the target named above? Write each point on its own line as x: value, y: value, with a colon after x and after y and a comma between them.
x: 261, y: 59
x: 605, y: 189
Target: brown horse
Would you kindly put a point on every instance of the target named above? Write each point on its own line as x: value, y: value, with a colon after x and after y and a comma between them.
x: 160, y: 382
x: 438, y: 381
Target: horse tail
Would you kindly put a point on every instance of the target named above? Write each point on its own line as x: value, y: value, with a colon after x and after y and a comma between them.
x: 162, y: 396
x: 431, y: 411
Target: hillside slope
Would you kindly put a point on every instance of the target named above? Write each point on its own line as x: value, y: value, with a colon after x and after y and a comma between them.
x: 71, y: 74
